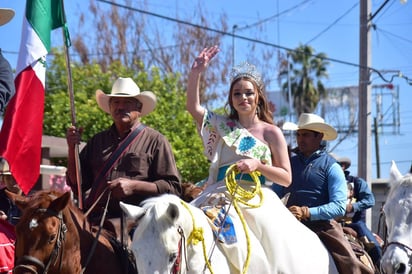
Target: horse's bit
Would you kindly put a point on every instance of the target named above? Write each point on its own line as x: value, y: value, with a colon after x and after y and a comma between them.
x: 29, y: 262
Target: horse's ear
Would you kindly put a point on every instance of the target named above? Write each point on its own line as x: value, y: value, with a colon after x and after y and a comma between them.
x: 19, y: 200
x: 132, y: 211
x: 172, y: 212
x: 61, y: 202
x: 395, y: 173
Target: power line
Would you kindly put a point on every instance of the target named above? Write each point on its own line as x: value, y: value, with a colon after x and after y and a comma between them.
x: 394, y: 35
x: 333, y: 23
x: 274, y: 16
x: 224, y: 33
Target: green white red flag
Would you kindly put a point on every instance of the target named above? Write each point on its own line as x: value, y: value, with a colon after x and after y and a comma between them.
x: 21, y: 133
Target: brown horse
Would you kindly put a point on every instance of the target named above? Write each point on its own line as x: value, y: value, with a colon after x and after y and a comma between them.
x: 54, y: 236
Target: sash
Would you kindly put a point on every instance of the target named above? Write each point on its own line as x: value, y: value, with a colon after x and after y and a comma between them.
x: 97, y: 186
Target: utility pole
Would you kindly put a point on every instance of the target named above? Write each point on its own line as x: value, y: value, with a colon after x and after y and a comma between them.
x: 364, y: 137
x: 365, y: 90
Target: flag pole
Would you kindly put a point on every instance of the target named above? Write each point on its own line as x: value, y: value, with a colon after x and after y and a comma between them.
x: 67, y: 44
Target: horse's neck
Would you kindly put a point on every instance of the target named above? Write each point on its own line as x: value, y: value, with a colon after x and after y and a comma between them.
x: 82, y: 226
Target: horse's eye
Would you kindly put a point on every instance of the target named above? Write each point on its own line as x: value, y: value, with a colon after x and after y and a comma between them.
x: 52, y: 238
x: 172, y: 257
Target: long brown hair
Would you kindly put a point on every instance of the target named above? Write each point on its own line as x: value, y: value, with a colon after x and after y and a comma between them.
x: 262, y: 110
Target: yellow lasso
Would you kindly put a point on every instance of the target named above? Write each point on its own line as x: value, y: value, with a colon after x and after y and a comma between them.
x: 239, y: 193
x: 196, y: 236
x: 243, y: 196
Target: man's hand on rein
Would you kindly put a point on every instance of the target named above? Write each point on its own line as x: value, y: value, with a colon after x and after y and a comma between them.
x: 300, y: 212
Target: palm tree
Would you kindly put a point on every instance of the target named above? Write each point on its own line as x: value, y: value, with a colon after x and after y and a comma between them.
x: 306, y: 71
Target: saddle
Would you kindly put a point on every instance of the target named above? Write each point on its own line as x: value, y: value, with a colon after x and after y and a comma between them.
x: 114, y: 226
x: 125, y: 256
x: 359, y: 248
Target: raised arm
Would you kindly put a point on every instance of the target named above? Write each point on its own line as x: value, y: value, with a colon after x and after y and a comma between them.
x: 199, y: 65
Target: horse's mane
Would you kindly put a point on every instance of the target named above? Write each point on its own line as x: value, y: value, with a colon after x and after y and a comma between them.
x: 157, y: 206
x: 153, y: 200
x: 405, y: 180
x: 37, y: 198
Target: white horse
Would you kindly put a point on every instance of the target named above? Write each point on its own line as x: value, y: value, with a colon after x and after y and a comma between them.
x: 173, y: 236
x: 397, y: 255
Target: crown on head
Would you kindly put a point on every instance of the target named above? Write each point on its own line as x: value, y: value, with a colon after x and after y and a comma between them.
x: 245, y: 69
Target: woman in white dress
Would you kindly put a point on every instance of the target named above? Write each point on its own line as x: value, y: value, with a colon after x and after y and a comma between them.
x: 248, y: 138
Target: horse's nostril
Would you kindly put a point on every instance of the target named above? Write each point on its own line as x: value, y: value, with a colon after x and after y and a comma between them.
x: 401, y: 268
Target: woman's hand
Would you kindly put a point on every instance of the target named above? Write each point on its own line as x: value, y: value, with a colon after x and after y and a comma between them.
x: 247, y: 165
x: 203, y: 59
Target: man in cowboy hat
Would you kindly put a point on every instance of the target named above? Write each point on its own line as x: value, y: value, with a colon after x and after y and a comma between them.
x: 7, y: 88
x: 318, y: 191
x: 131, y: 160
x: 362, y: 198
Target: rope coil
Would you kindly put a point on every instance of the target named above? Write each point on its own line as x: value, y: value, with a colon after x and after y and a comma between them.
x: 239, y: 193
x: 242, y: 195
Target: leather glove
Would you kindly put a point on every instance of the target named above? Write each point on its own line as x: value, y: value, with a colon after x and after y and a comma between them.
x: 300, y: 212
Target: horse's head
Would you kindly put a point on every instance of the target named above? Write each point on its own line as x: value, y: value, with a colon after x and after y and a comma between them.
x: 40, y: 232
x: 159, y: 242
x: 397, y: 257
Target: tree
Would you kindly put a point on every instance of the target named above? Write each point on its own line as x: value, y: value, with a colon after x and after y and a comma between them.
x: 141, y: 39
x: 307, y: 70
x: 169, y: 115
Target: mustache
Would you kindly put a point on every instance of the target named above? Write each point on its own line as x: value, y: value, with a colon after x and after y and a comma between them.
x: 126, y: 113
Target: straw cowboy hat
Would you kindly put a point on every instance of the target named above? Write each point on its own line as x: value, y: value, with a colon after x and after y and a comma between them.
x: 4, y: 167
x: 344, y: 160
x: 126, y: 87
x: 316, y: 123
x: 6, y: 15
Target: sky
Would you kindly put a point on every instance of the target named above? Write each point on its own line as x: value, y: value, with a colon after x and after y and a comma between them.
x: 328, y: 26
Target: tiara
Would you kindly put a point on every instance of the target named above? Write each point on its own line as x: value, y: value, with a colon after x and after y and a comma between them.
x: 245, y: 69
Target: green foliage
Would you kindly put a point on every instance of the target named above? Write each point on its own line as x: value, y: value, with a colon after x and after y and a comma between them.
x: 170, y: 116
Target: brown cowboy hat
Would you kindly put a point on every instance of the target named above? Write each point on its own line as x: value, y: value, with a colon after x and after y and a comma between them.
x: 310, y: 121
x: 5, y: 15
x: 126, y: 87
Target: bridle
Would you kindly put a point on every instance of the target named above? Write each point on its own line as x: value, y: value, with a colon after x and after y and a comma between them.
x: 407, y: 249
x: 177, y: 266
x: 30, y: 263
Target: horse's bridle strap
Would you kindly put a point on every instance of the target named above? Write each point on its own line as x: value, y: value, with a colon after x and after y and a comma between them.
x: 407, y: 249
x: 26, y: 262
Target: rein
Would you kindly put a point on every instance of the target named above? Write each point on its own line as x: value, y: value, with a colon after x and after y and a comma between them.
x: 96, y: 238
x: 28, y: 262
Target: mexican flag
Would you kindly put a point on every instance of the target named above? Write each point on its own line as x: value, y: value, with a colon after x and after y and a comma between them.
x: 21, y: 132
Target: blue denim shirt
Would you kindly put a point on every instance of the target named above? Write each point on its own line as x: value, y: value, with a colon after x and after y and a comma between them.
x: 319, y: 183
x: 7, y: 89
x: 363, y: 195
